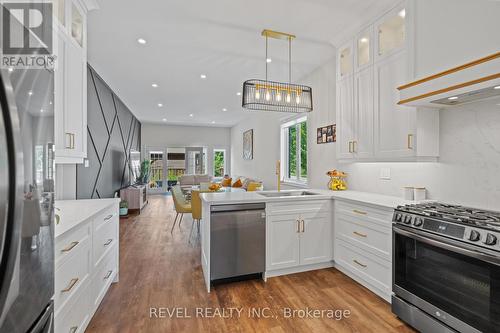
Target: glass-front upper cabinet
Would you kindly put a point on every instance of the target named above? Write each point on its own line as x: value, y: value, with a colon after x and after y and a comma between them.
x: 77, y: 24
x: 391, y: 32
x: 59, y: 10
x: 364, y: 56
x: 345, y: 61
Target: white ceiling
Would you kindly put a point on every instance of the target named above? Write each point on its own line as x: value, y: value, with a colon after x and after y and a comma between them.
x: 219, y: 38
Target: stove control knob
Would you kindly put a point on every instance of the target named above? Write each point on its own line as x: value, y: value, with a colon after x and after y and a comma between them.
x: 490, y: 239
x: 418, y: 222
x: 407, y: 219
x: 398, y: 217
x: 474, y: 236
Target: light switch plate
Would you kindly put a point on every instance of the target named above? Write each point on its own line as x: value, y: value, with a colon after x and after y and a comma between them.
x: 86, y: 163
x: 385, y: 173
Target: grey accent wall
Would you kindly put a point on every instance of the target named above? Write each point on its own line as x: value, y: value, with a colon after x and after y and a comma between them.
x: 112, y: 131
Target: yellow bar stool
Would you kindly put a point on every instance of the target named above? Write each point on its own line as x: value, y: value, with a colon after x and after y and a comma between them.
x: 195, y: 211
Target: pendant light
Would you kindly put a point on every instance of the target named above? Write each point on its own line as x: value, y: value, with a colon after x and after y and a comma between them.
x: 268, y: 95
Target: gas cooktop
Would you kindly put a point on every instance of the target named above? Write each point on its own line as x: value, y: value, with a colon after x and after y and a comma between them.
x: 470, y: 225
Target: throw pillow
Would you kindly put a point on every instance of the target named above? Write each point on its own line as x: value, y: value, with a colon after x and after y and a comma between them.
x: 226, y: 182
x: 238, y: 183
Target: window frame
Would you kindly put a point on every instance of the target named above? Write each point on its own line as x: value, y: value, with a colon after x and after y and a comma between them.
x: 284, y: 149
x: 224, y: 151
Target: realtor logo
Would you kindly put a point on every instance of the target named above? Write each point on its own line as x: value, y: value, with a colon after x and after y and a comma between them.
x: 27, y: 35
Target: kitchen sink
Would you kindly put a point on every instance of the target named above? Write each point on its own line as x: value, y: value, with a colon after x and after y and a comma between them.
x: 280, y: 194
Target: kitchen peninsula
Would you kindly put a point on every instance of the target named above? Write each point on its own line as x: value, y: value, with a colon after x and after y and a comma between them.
x: 312, y: 229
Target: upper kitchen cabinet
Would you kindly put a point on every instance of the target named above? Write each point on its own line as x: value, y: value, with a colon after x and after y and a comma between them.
x: 375, y: 127
x: 70, y: 102
x: 345, y: 61
x: 391, y: 33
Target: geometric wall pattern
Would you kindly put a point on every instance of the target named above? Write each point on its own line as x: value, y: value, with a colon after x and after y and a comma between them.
x: 112, y: 132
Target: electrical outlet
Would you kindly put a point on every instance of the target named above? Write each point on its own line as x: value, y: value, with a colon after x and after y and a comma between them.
x: 385, y: 173
x: 86, y: 163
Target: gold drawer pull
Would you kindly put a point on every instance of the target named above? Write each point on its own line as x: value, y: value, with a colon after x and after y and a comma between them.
x: 359, y: 234
x: 108, y: 242
x: 298, y: 226
x: 71, y: 137
x: 350, y: 146
x: 359, y: 212
x: 108, y: 275
x: 73, y: 329
x: 70, y: 246
x: 107, y: 218
x: 410, y: 139
x: 360, y: 264
x: 70, y: 286
x: 354, y: 143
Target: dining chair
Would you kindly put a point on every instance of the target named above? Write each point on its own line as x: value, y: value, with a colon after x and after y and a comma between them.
x: 195, y: 211
x: 182, y: 206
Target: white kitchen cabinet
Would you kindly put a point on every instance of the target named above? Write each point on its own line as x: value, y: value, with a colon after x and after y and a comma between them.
x: 298, y: 236
x: 364, y: 49
x: 390, y: 33
x: 395, y: 125
x: 362, y: 146
x: 345, y: 118
x: 71, y: 81
x: 345, y: 60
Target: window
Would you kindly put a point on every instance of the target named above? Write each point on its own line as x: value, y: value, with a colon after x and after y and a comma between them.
x: 219, y: 162
x: 294, y: 150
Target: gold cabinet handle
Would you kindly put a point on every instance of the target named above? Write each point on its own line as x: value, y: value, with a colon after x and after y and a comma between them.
x: 303, y: 228
x: 359, y: 264
x: 350, y: 146
x: 354, y: 143
x: 70, y: 246
x: 298, y: 226
x: 108, y: 275
x: 359, y: 212
x: 70, y: 286
x: 107, y: 218
x: 359, y: 234
x: 73, y: 329
x: 108, y: 242
x: 71, y: 144
x: 410, y: 141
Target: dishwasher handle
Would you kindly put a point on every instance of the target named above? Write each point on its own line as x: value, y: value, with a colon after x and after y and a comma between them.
x: 237, y: 207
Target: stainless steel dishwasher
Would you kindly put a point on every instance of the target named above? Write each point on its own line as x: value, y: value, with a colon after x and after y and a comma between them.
x: 237, y: 240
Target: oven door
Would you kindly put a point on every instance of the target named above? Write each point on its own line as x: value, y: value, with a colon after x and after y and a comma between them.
x: 454, y: 282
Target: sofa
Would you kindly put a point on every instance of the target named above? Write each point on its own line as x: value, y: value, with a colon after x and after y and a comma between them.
x: 245, y: 182
x: 187, y: 181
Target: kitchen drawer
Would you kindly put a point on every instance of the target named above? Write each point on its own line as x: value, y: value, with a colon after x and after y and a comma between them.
x: 368, y: 236
x: 109, y: 214
x: 104, y: 275
x: 71, y: 275
x: 68, y: 244
x: 76, y: 316
x: 298, y: 207
x: 105, y: 237
x: 371, y: 269
x: 382, y: 216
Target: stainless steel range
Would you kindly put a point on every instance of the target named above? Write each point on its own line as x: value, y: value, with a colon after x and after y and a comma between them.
x: 446, y: 268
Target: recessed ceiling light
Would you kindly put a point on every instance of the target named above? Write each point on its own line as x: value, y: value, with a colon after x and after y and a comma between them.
x: 160, y: 105
x: 41, y: 110
x: 364, y: 40
x: 238, y: 93
x: 141, y: 41
x: 50, y: 102
x: 164, y: 119
x: 203, y: 76
x: 224, y: 109
x: 11, y: 69
x: 497, y: 87
x: 452, y: 98
x: 191, y: 115
x: 268, y: 60
x: 402, y: 13
x: 30, y: 93
x: 154, y: 85
x: 213, y: 121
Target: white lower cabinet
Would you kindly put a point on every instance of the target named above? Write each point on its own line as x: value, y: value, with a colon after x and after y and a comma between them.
x: 86, y: 261
x: 363, y: 245
x: 298, y: 235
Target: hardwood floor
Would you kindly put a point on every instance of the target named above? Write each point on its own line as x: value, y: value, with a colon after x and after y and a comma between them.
x: 160, y: 270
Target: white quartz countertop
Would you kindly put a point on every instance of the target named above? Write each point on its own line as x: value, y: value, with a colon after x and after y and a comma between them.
x: 73, y: 212
x: 249, y: 197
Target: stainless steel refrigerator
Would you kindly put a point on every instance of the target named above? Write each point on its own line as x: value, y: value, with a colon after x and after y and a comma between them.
x: 26, y: 200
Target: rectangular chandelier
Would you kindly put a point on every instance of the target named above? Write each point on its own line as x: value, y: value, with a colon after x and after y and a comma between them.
x: 276, y: 96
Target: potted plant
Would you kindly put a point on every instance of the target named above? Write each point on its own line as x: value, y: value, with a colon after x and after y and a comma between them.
x: 123, y: 208
x: 145, y: 172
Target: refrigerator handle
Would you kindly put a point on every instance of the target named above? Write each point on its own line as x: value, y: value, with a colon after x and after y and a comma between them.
x: 13, y: 221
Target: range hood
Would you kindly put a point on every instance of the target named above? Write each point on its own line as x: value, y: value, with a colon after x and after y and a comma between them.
x: 470, y: 82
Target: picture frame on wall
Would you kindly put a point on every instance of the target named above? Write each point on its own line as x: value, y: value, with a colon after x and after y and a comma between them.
x: 248, y: 145
x: 326, y: 134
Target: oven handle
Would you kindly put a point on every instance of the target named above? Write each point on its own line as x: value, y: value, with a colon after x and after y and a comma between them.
x: 444, y: 243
